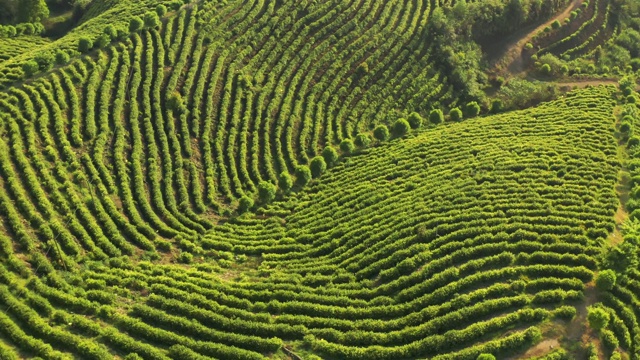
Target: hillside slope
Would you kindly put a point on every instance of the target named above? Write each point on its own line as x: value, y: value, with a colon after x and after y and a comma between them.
x: 458, y: 240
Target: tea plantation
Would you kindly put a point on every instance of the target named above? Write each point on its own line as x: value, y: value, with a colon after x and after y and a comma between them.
x: 305, y: 180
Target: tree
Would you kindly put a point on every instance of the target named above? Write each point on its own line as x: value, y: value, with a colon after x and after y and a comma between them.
x: 62, y: 58
x: 330, y: 155
x: 102, y: 41
x: 161, y: 10
x: 381, y: 132
x: 496, y: 106
x: 346, y: 146
x: 30, y: 67
x: 401, y: 127
x: 545, y: 69
x: 303, y: 174
x: 266, y: 192
x: 151, y: 19
x: 32, y: 11
x: 135, y: 24
x: 415, y: 120
x: 317, y: 166
x: 110, y: 31
x: 436, y: 116
x: 598, y: 317
x: 606, y: 280
x: 245, y: 204
x: 362, y: 140
x: 84, y: 44
x: 285, y: 182
x: 472, y: 109
x: 455, y: 114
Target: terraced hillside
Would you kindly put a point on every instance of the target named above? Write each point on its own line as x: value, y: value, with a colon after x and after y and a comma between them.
x: 458, y: 240
x: 211, y: 188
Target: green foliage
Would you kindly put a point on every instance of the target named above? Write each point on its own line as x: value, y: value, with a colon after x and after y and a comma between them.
x: 606, y: 280
x: 381, y: 132
x: 415, y: 120
x: 497, y: 106
x: 472, y: 109
x: 598, y: 317
x: 85, y: 44
x: 303, y: 174
x: 609, y: 339
x: 317, y: 166
x: 161, y: 10
x: 486, y: 357
x: 135, y: 24
x: 32, y: 11
x: 62, y: 58
x: 245, y: 204
x: 555, y: 24
x: 151, y: 20
x: 330, y: 156
x: 266, y: 192
x: 285, y: 182
x: 436, y: 116
x: 347, y: 147
x: 455, y: 114
x: 30, y: 68
x: 401, y: 127
x: 362, y: 140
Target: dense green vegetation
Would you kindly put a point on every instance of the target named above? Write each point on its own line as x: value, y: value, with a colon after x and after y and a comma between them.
x: 309, y: 179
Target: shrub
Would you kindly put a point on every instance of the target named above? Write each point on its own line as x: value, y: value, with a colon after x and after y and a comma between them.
x: 625, y: 127
x: 609, y: 339
x: 545, y: 69
x: 330, y: 155
x: 135, y: 24
x: 381, y: 132
x: 245, y: 204
x: 401, y: 127
x: 110, y: 31
x: 486, y: 357
x: 102, y: 41
x: 633, y: 141
x: 347, y: 146
x: 84, y: 44
x: 62, y: 58
x: 151, y: 20
x: 472, y: 109
x: 631, y: 99
x: 556, y: 24
x: 303, y: 174
x: 598, y: 317
x: 30, y: 67
x: 455, y: 114
x: 528, y: 46
x: 175, y: 102
x: 436, y: 116
x: 45, y: 60
x: 317, y: 166
x: 266, y: 192
x: 415, y: 120
x: 185, y: 258
x: 362, y: 140
x: 606, y: 280
x: 161, y: 10
x: 496, y: 106
x: 285, y: 182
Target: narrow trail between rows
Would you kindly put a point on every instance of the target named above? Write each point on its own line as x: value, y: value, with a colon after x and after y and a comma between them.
x: 505, y: 55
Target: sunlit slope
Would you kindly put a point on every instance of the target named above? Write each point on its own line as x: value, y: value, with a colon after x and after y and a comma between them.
x: 458, y: 240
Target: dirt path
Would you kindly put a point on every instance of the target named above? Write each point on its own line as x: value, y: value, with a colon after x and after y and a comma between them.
x: 505, y: 56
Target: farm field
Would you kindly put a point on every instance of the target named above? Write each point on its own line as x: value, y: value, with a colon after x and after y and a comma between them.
x: 319, y: 180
